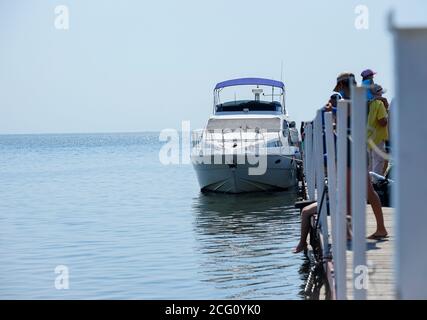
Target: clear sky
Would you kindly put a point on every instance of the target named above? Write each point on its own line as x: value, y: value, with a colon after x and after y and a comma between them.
x: 146, y: 65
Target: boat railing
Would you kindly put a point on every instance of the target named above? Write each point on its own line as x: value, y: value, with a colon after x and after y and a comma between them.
x: 205, y: 139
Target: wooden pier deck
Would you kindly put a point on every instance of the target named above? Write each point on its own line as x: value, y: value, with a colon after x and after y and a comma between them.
x: 379, y: 256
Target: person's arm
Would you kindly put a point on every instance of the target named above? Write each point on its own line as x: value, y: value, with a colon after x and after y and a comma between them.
x: 383, y: 122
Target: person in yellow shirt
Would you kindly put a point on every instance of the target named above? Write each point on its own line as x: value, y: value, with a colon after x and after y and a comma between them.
x: 377, y: 131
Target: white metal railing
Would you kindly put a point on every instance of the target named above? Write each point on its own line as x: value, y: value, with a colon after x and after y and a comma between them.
x: 203, y: 139
x: 340, y: 243
x: 309, y: 159
x: 320, y: 139
x: 409, y: 132
x: 320, y: 179
x: 410, y: 156
x: 332, y: 177
x: 359, y: 180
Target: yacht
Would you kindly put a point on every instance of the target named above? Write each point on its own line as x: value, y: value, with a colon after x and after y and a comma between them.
x: 247, y: 144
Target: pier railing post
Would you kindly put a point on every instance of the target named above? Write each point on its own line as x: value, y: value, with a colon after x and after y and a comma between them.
x: 409, y: 132
x: 359, y: 176
x: 309, y: 155
x: 340, y: 262
x: 304, y: 153
x: 331, y: 174
x: 320, y: 179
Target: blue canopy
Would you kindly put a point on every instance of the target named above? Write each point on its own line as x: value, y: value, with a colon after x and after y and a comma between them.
x: 250, y: 81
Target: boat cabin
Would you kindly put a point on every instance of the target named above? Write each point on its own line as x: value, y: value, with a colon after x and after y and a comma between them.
x: 261, y: 96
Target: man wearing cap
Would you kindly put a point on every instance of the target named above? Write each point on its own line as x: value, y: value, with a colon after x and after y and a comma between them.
x: 343, y: 86
x: 377, y: 132
x: 368, y: 75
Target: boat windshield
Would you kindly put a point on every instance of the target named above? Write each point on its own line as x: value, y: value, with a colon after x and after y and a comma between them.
x: 249, y: 98
x: 248, y: 105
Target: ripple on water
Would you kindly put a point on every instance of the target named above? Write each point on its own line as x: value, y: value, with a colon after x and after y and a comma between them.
x: 128, y: 227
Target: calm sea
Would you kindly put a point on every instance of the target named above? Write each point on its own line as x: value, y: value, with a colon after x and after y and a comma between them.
x: 127, y: 227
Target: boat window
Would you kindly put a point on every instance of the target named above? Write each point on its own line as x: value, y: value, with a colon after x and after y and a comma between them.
x: 257, y: 98
x: 248, y: 105
x: 274, y: 144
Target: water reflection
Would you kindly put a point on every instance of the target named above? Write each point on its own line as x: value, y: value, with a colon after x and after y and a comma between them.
x: 245, y: 243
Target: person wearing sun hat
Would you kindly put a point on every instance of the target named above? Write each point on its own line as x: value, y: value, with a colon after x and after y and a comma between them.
x: 344, y: 82
x: 378, y: 90
x: 368, y: 80
x: 377, y: 132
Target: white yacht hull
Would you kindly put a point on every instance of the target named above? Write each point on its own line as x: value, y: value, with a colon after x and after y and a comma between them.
x: 242, y: 131
x: 235, y: 178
